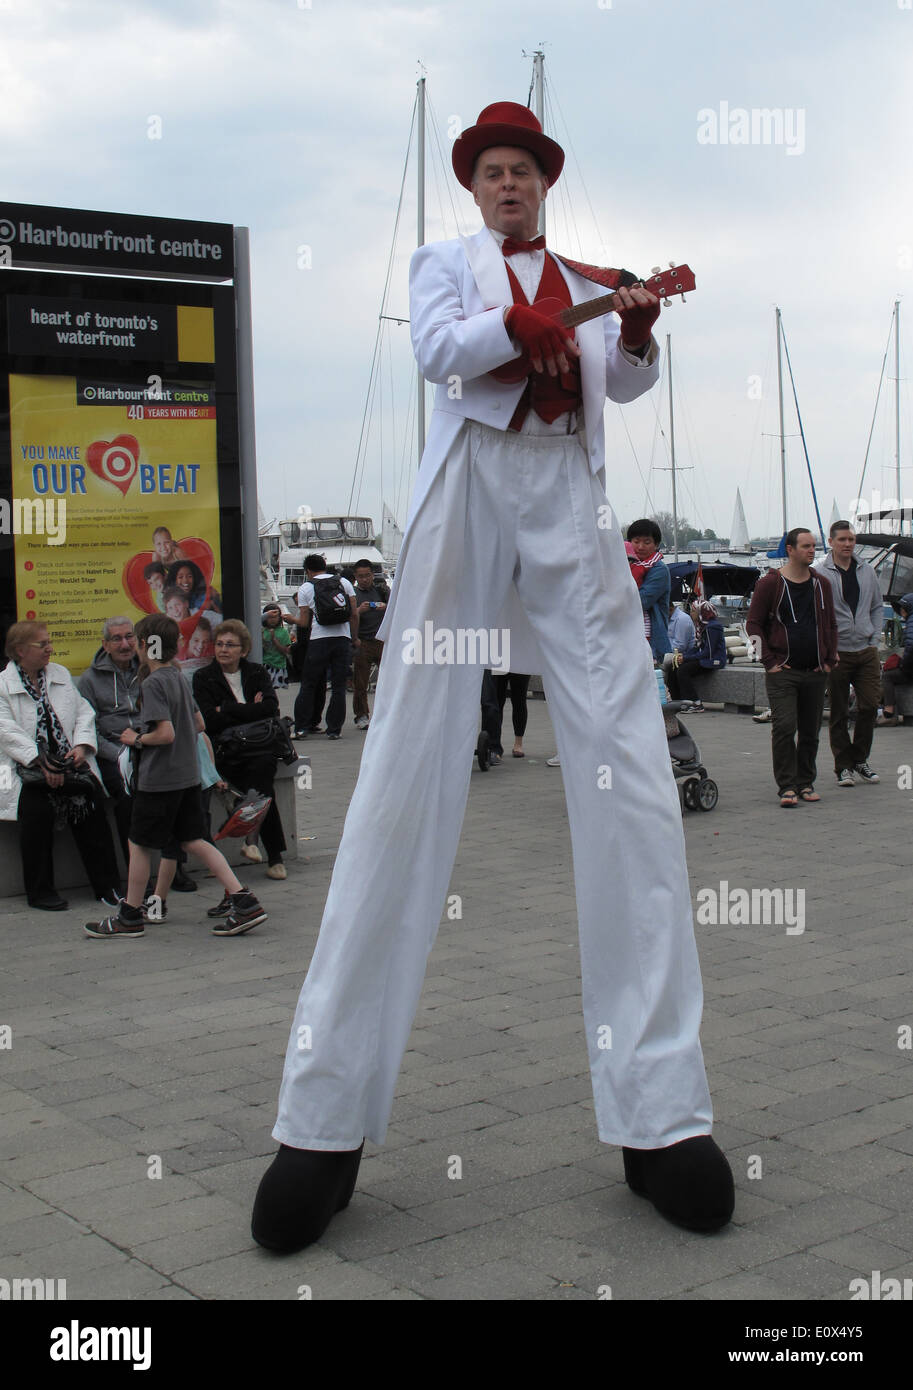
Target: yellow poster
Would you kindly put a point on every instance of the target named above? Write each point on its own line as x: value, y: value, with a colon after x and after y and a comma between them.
x: 115, y: 509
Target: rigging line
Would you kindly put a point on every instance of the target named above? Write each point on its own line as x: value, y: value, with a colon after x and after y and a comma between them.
x: 634, y: 452
x: 404, y: 480
x: 586, y: 195
x: 448, y: 183
x: 383, y: 302
x: 884, y: 361
x: 571, y: 218
x: 802, y: 433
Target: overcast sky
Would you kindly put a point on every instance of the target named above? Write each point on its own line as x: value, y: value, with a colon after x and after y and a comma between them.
x: 293, y: 119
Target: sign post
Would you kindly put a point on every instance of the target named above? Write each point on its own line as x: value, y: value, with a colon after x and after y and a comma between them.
x: 129, y: 448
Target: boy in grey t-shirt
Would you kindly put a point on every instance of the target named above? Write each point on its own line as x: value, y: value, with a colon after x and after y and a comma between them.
x: 166, y: 803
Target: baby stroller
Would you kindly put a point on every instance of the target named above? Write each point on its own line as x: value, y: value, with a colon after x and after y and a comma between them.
x: 697, y: 791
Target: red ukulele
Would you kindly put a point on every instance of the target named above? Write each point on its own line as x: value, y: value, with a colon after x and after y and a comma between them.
x: 677, y: 280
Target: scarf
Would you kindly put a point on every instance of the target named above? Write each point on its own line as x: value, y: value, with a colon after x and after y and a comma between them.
x: 69, y: 807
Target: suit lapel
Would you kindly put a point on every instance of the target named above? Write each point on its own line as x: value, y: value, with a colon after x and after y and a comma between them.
x: 488, y: 268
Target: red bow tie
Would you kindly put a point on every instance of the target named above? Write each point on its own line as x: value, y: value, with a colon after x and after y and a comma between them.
x: 511, y: 246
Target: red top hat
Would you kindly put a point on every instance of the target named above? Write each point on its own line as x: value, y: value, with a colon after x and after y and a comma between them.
x: 506, y: 123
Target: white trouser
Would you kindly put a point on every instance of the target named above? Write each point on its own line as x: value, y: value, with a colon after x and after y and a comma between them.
x: 503, y: 507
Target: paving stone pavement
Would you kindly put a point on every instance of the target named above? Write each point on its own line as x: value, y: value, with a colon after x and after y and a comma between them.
x: 138, y: 1079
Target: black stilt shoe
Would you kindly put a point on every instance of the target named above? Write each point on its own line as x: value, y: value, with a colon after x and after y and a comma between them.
x: 689, y: 1183
x: 300, y: 1193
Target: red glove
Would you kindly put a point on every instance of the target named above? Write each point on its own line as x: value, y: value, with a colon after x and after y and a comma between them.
x: 539, y: 336
x: 636, y: 324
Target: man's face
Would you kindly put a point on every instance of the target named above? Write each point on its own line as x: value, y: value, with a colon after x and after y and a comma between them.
x: 843, y: 544
x: 364, y: 578
x: 644, y: 547
x: 509, y: 189
x: 121, y: 644
x: 177, y: 608
x: 803, y: 552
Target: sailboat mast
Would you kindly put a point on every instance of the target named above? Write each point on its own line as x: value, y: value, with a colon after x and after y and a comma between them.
x: 420, y: 241
x: 897, y: 412
x: 672, y: 447
x: 539, y: 112
x: 782, y: 435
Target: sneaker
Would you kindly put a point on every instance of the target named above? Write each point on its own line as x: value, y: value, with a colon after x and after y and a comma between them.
x: 252, y: 854
x: 845, y: 778
x: 330, y: 734
x: 299, y: 733
x: 221, y: 909
x: 887, y: 721
x: 245, y: 912
x: 553, y: 762
x: 155, y: 909
x: 277, y: 871
x: 183, y: 883
x: 765, y: 717
x: 117, y: 926
x: 865, y: 772
x: 361, y: 722
x: 494, y: 759
x: 111, y: 899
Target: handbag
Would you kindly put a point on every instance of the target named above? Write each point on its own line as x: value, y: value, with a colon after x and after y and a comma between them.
x: 77, y: 781
x: 262, y: 736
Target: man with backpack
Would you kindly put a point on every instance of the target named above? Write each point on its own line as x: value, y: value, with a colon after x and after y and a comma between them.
x: 326, y: 610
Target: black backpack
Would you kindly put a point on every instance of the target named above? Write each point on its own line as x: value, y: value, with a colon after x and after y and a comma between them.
x: 331, y: 602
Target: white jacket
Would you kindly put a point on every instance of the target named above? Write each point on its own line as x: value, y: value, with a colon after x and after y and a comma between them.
x: 457, y: 343
x: 19, y: 727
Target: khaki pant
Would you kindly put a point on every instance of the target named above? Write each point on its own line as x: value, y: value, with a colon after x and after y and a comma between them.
x: 368, y: 651
x: 796, y: 701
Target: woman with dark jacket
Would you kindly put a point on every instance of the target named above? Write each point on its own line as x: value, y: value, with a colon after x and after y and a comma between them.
x: 707, y: 654
x: 232, y: 690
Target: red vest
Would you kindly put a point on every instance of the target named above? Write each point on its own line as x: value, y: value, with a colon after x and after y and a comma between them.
x: 548, y: 396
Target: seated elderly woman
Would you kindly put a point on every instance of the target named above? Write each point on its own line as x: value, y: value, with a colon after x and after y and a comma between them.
x: 232, y: 690
x: 47, y: 733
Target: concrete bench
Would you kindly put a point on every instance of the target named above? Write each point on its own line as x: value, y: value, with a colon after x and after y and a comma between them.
x: 68, y: 869
x: 737, y: 688
x: 740, y: 688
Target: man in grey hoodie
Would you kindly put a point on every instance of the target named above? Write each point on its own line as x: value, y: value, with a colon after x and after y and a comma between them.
x: 859, y: 611
x: 111, y: 686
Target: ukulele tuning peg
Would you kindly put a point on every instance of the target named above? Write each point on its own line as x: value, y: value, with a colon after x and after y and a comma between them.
x: 671, y: 265
x: 657, y: 270
x: 667, y: 303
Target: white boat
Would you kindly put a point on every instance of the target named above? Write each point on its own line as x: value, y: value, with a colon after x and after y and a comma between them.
x: 341, y: 540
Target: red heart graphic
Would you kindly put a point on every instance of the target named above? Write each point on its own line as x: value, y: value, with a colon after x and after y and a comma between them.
x: 137, y: 587
x: 114, y: 461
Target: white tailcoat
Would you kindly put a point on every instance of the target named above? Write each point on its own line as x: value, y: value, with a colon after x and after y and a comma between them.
x: 457, y: 343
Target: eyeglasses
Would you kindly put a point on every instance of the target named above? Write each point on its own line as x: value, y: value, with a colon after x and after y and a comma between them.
x: 227, y: 644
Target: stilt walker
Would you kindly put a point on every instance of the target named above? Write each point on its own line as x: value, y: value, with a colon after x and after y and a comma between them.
x: 509, y: 528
